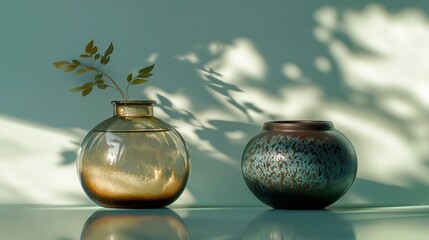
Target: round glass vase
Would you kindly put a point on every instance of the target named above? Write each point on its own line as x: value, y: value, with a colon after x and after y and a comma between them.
x: 299, y: 164
x: 133, y: 159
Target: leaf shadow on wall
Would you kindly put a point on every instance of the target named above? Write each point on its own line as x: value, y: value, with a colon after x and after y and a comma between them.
x: 385, y: 120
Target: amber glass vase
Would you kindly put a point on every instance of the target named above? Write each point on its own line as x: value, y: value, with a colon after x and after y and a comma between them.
x: 133, y: 159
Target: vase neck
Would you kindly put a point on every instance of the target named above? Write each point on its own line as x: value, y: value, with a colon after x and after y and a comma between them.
x: 298, y: 125
x: 133, y: 108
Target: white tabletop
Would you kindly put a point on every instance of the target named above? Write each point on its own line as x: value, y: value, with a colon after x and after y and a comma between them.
x: 176, y: 222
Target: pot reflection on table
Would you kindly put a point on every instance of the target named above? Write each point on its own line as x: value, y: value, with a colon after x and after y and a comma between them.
x: 280, y: 224
x: 134, y: 224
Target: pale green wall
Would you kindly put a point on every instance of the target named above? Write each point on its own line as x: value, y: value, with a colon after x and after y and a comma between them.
x: 33, y: 34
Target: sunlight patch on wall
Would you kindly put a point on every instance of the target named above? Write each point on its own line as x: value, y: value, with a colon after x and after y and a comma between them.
x: 34, y: 166
x: 291, y: 102
x: 322, y: 64
x: 384, y: 151
x: 327, y: 17
x: 235, y: 135
x: 399, y: 107
x: 386, y: 75
x: 292, y: 71
x: 238, y: 61
x: 396, y: 51
x: 386, y: 33
x: 190, y: 57
x: 152, y: 58
x: 216, y: 48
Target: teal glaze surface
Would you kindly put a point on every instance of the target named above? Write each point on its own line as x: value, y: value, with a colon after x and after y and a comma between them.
x: 299, y: 169
x: 297, y: 163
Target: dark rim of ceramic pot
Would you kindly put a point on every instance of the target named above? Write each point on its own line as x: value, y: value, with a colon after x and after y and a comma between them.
x: 298, y: 125
x: 134, y: 102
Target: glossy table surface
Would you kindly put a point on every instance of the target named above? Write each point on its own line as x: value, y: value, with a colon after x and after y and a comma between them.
x: 177, y: 222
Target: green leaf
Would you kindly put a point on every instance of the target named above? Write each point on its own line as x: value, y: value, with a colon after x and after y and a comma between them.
x: 129, y: 77
x: 144, y: 75
x: 138, y: 81
x: 104, y: 60
x: 99, y: 81
x: 70, y: 68
x: 107, y: 60
x: 147, y: 69
x: 81, y: 71
x: 89, y: 47
x: 98, y: 76
x: 88, y: 85
x: 102, y: 86
x: 109, y: 50
x: 77, y: 89
x: 97, y: 56
x: 84, y: 56
x: 60, y: 64
x: 86, y: 91
x: 94, y: 50
x: 76, y: 61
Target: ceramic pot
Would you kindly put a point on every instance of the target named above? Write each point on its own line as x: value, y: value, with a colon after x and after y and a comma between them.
x: 299, y: 164
x: 133, y: 160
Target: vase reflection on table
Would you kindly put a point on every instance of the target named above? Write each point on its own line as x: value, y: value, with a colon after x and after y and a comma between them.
x: 135, y: 224
x: 133, y: 160
x: 275, y: 224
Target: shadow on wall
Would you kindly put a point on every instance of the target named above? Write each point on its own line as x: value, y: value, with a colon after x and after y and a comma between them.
x: 371, y: 81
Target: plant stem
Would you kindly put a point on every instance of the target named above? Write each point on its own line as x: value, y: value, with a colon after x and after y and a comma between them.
x: 128, y: 95
x: 115, y: 85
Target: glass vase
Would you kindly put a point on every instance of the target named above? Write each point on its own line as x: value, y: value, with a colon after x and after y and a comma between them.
x: 133, y: 159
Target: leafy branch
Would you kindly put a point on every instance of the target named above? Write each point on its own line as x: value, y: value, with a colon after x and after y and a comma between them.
x: 97, y: 61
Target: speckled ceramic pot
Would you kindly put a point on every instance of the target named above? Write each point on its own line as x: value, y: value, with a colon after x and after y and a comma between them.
x: 299, y: 164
